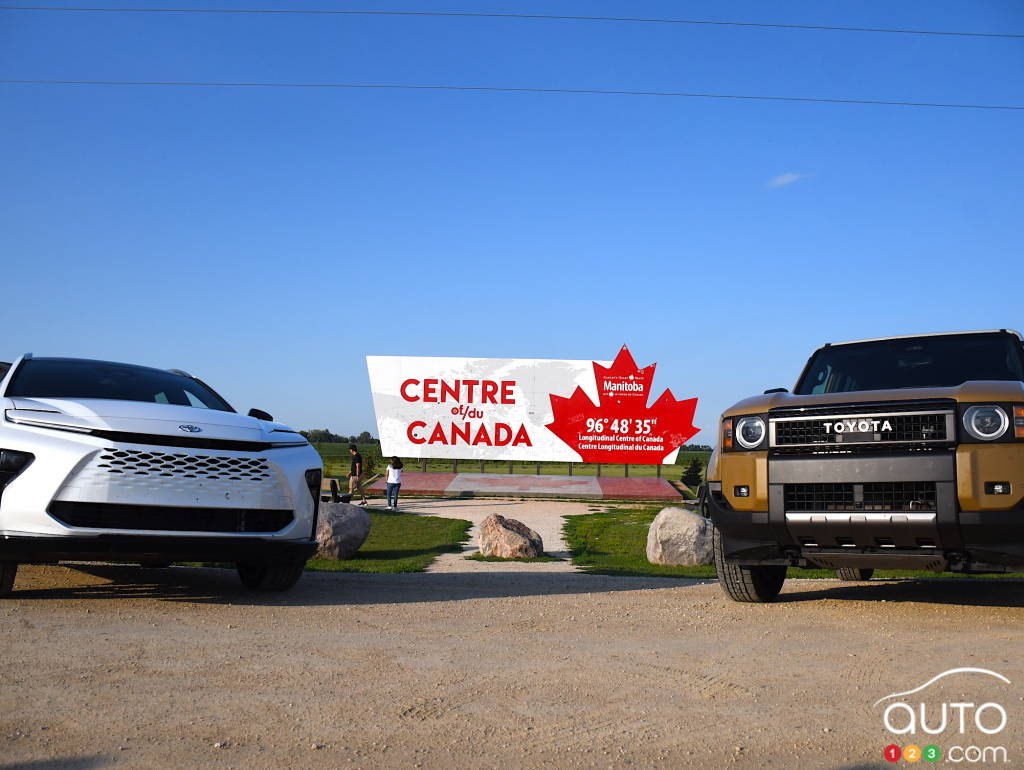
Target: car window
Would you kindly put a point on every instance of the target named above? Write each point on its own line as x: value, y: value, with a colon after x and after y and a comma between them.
x: 79, y: 378
x: 916, y: 362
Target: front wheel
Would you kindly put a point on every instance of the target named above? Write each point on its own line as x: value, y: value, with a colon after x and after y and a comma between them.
x: 760, y: 583
x: 8, y: 571
x: 278, y: 576
x: 854, y: 573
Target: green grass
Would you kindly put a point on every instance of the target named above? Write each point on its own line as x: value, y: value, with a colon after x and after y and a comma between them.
x: 480, y: 557
x: 337, y: 460
x: 401, y: 542
x: 615, y: 543
x: 398, y: 542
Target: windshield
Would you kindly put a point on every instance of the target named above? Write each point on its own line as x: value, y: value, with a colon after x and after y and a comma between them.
x: 77, y: 378
x: 914, y: 362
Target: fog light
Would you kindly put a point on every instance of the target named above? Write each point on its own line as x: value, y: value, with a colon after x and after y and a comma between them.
x: 997, y: 487
x: 313, y: 478
x: 741, y: 491
x: 12, y: 462
x: 1018, y: 421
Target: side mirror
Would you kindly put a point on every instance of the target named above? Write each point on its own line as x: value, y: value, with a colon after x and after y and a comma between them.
x: 259, y: 414
x: 776, y: 390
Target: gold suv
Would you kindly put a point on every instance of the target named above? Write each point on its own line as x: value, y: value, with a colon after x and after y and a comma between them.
x: 896, y: 453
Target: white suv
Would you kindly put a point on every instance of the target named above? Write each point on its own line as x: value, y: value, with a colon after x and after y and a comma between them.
x: 102, y: 461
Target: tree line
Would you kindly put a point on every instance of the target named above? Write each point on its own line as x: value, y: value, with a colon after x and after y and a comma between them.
x: 325, y: 436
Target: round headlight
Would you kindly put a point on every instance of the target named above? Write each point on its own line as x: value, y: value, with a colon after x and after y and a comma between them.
x: 986, y: 422
x: 750, y: 432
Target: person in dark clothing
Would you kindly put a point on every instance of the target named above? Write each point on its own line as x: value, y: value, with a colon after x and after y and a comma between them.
x: 355, y: 475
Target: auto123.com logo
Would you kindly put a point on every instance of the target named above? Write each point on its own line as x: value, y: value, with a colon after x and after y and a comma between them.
x: 937, y: 722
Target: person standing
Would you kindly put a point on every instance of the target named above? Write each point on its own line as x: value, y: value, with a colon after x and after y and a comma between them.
x: 393, y: 482
x: 355, y: 474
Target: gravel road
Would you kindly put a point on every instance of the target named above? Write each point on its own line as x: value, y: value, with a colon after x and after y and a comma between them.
x: 122, y: 667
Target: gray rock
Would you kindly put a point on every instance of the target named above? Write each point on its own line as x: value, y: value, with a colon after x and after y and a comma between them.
x: 341, y: 530
x: 680, y: 538
x: 509, y: 539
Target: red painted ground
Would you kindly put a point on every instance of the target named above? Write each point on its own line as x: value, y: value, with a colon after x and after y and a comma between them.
x: 617, y: 488
x: 526, y: 485
x: 419, y: 483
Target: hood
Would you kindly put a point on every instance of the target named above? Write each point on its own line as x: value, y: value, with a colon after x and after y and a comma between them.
x: 975, y: 391
x: 148, y: 418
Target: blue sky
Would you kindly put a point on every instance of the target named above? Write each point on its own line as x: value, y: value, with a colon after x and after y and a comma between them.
x: 269, y: 239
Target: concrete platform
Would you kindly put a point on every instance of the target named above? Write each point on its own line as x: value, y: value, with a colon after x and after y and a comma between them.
x: 525, y: 485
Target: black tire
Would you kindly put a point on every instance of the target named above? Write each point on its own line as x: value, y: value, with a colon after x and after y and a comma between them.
x: 280, y: 576
x: 854, y: 573
x: 747, y: 584
x: 8, y: 571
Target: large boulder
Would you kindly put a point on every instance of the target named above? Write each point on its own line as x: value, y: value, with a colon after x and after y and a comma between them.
x: 680, y: 538
x: 341, y: 530
x: 509, y: 539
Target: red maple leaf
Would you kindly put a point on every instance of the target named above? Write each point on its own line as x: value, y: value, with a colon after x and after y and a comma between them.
x: 622, y: 428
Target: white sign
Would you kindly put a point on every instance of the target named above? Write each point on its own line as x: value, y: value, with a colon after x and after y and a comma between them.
x: 473, y: 408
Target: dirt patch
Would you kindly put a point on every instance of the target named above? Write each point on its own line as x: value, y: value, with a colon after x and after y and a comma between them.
x: 115, y: 666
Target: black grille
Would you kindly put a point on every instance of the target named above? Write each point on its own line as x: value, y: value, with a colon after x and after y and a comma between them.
x: 818, y: 497
x: 886, y: 447
x: 881, y: 496
x: 152, y: 439
x: 172, y: 519
x: 822, y: 430
x: 900, y: 496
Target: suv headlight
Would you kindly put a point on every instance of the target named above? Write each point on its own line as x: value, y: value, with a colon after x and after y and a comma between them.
x: 986, y: 423
x: 750, y: 432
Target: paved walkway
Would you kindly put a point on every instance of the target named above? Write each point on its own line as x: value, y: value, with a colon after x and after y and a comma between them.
x: 526, y: 485
x: 542, y: 516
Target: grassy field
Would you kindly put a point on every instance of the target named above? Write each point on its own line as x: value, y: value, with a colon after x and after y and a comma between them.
x: 401, y: 542
x: 337, y: 460
x: 615, y: 543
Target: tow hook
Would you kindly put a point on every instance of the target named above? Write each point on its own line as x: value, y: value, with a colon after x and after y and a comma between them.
x: 957, y: 560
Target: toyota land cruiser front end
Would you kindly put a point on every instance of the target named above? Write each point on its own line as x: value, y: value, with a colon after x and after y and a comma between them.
x: 902, y: 453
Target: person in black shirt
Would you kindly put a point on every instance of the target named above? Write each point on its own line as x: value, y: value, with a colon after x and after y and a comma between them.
x: 355, y: 475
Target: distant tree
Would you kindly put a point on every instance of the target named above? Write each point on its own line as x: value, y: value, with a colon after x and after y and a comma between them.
x: 696, y: 448
x: 693, y: 474
x: 326, y: 436
x: 322, y: 436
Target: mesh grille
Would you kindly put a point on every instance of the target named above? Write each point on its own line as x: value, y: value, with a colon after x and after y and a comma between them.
x: 905, y: 428
x: 186, y: 466
x: 900, y: 496
x: 201, y: 479
x: 881, y: 496
x: 818, y: 497
x: 170, y: 519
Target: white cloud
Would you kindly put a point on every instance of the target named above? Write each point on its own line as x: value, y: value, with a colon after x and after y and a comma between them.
x: 784, y: 179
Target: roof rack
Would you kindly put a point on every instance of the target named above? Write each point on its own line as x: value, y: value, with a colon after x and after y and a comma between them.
x: 932, y: 334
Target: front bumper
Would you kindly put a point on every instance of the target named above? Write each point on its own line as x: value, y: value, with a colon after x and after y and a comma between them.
x: 941, y: 538
x: 44, y: 550
x: 88, y: 487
